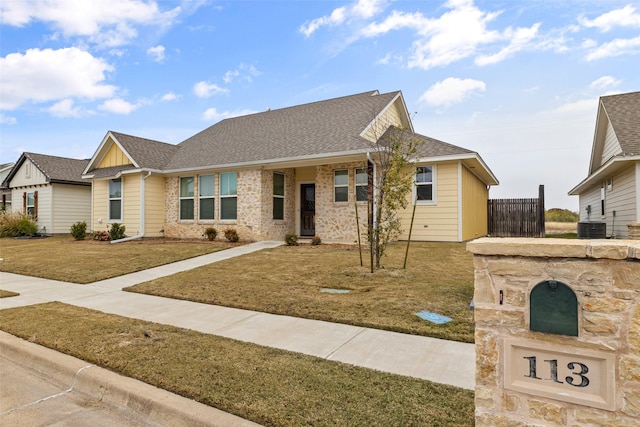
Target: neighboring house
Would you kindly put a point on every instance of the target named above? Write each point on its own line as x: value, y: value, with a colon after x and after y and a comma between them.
x: 611, y: 192
x: 303, y: 169
x: 51, y: 190
x: 5, y: 192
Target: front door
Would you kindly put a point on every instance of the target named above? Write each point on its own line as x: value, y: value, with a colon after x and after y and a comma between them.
x: 308, y: 209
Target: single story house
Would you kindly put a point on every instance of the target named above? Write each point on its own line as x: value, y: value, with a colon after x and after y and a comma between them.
x: 51, y: 190
x: 610, y: 194
x: 305, y: 169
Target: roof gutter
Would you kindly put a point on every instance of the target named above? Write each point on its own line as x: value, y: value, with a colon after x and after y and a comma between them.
x: 142, y: 211
x: 599, y: 174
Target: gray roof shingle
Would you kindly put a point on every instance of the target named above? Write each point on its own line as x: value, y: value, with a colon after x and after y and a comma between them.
x: 624, y: 114
x: 330, y: 126
x: 427, y: 147
x: 60, y: 169
x: 146, y: 152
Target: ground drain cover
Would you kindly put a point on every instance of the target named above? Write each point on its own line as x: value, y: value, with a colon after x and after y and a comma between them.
x: 433, y: 317
x: 335, y: 291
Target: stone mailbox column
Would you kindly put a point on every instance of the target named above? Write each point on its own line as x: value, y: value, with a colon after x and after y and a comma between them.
x: 557, y: 332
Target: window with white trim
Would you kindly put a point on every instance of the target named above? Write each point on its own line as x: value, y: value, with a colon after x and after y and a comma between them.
x: 186, y: 198
x: 424, y: 189
x: 31, y: 205
x: 362, y: 185
x: 115, y: 200
x: 341, y: 185
x: 278, y: 195
x: 207, y: 194
x: 229, y: 195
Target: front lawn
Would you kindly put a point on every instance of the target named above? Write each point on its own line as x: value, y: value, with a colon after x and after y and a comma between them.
x: 87, y: 261
x: 290, y: 280
x: 269, y: 386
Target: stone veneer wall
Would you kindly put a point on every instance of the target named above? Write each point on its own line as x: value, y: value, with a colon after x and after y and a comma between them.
x: 634, y: 231
x: 277, y: 229
x: 605, y: 275
x: 336, y: 222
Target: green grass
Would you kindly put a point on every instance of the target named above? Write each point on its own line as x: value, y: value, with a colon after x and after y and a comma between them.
x: 271, y: 387
x: 87, y: 261
x: 288, y: 280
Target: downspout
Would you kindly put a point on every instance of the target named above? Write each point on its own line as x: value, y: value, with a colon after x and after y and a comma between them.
x: 142, y: 203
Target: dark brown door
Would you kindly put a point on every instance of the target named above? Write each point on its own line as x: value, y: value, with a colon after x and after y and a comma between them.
x: 308, y: 209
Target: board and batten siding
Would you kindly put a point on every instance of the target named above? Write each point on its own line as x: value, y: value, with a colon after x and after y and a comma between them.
x: 438, y: 222
x: 28, y: 174
x: 475, y: 195
x: 611, y: 145
x: 154, y: 194
x: 622, y: 199
x: 70, y: 204
x: 114, y: 157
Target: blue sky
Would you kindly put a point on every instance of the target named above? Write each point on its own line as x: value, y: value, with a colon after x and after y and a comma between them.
x: 516, y: 81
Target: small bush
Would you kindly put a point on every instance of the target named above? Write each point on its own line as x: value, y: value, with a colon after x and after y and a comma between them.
x: 231, y: 235
x: 116, y: 232
x: 291, y: 239
x: 14, y: 224
x: 315, y: 240
x: 79, y: 230
x: 102, y: 236
x: 211, y: 233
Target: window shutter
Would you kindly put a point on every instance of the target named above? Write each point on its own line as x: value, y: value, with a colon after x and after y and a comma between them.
x: 35, y: 205
x: 24, y: 203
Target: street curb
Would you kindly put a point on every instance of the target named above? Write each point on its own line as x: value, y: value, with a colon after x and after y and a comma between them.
x: 136, y: 398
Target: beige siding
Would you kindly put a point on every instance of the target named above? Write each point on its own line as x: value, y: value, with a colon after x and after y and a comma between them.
x: 611, y: 144
x: 392, y: 116
x: 622, y: 199
x: 438, y: 222
x: 131, y: 204
x: 27, y: 174
x: 100, y: 205
x: 114, y: 157
x: 474, y: 205
x: 71, y: 204
x: 154, y: 194
x: 591, y: 198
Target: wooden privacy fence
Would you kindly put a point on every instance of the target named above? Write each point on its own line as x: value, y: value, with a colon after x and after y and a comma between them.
x: 516, y: 217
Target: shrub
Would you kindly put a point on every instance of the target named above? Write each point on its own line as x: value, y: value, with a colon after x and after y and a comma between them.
x: 102, y: 236
x: 291, y: 239
x: 14, y: 224
x: 211, y: 233
x: 231, y: 234
x: 79, y: 230
x: 116, y: 231
x: 315, y: 240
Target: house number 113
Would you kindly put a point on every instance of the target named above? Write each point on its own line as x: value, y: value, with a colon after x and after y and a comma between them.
x: 578, y: 372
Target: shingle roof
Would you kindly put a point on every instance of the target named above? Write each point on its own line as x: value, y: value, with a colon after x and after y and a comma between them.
x: 60, y: 169
x: 624, y: 114
x: 146, y: 152
x: 330, y: 126
x: 427, y: 147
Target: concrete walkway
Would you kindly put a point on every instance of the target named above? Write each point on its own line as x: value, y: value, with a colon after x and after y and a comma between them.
x: 441, y: 361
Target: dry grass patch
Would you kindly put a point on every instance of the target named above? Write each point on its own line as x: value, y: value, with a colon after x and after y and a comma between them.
x: 87, y: 261
x: 6, y: 294
x: 271, y: 387
x: 288, y: 281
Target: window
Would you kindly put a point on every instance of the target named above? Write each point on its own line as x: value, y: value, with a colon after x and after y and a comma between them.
x: 362, y: 185
x: 278, y: 196
x: 228, y: 195
x: 341, y: 185
x: 424, y: 184
x: 186, y: 198
x: 115, y: 200
x: 206, y: 192
x: 31, y: 205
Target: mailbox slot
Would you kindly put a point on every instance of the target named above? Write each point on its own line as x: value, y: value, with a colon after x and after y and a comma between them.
x: 553, y: 308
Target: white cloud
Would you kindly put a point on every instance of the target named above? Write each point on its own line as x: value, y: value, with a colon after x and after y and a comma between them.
x: 604, y: 82
x: 361, y: 9
x: 615, y: 47
x: 204, y: 89
x: 48, y: 75
x: 156, y: 53
x: 577, y: 108
x: 65, y: 108
x: 118, y: 106
x: 625, y: 17
x: 169, y: 96
x: 7, y: 120
x: 104, y: 22
x: 213, y: 115
x: 519, y: 40
x: 244, y: 72
x: 451, y: 91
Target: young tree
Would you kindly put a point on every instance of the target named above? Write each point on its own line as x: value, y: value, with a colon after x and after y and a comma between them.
x: 395, y: 154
